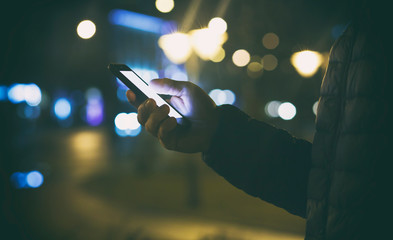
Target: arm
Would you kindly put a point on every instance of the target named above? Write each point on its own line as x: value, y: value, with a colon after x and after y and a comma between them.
x: 263, y: 161
x: 254, y: 156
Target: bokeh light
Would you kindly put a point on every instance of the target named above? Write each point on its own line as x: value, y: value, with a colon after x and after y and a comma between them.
x: 62, y: 108
x: 207, y: 42
x: 241, y: 57
x: 127, y: 124
x: 271, y: 108
x: 121, y: 121
x: 269, y: 62
x: 32, y: 94
x: 30, y: 112
x: 94, y: 107
x: 221, y: 97
x: 34, y: 179
x: 270, y: 40
x: 165, y: 6
x: 16, y: 93
x: 315, y: 107
x: 86, y: 29
x: 18, y: 179
x: 218, y: 25
x: 220, y: 55
x: 176, y: 46
x: 306, y: 62
x: 287, y: 111
x: 230, y: 96
x: 254, y: 69
x: 3, y: 93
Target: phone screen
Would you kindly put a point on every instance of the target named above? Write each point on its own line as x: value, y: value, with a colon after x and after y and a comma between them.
x: 144, y: 87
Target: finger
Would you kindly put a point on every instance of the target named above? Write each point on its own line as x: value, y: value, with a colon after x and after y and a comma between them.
x: 133, y: 99
x: 145, y: 109
x: 168, y: 86
x: 179, y: 104
x: 166, y: 135
x: 156, y: 118
x: 131, y: 96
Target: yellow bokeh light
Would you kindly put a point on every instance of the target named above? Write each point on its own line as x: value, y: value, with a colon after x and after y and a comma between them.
x: 176, y: 46
x: 269, y: 62
x: 218, y: 25
x: 207, y: 43
x: 165, y: 6
x: 219, y: 56
x: 86, y: 29
x: 255, y: 67
x: 306, y: 62
x: 270, y: 40
x: 241, y: 58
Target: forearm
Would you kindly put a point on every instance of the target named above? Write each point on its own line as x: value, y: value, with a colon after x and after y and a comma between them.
x: 261, y: 160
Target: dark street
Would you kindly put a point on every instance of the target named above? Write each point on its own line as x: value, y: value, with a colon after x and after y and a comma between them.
x: 99, y: 188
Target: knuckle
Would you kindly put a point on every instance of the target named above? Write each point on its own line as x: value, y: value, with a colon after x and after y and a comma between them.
x: 141, y: 118
x: 149, y: 126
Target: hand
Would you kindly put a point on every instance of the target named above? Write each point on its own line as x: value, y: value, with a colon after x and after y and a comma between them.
x: 190, y: 100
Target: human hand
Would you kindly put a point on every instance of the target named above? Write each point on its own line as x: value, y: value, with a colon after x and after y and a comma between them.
x: 191, y: 101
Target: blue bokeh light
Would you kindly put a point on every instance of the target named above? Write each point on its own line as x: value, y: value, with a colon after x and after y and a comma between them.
x: 18, y: 179
x: 31, y: 112
x: 34, y: 179
x: 3, y: 93
x: 62, y: 108
x: 136, y: 21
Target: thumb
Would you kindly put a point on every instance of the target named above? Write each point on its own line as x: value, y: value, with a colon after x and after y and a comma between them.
x: 167, y: 86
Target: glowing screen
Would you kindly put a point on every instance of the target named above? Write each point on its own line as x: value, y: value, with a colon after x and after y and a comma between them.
x: 149, y: 92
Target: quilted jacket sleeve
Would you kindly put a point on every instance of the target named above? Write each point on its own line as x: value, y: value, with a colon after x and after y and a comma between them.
x: 260, y: 159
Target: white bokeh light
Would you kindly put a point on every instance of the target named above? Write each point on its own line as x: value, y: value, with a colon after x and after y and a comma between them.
x: 287, y: 111
x: 165, y: 6
x: 271, y: 108
x: 16, y: 93
x: 315, y: 107
x: 218, y: 25
x: 86, y: 29
x: 221, y: 97
x: 124, y: 121
x: 241, y: 58
x: 32, y: 94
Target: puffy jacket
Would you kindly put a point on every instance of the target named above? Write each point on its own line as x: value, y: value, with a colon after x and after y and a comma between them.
x: 341, y: 183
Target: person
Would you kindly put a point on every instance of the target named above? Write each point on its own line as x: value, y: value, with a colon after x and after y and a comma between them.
x: 341, y: 182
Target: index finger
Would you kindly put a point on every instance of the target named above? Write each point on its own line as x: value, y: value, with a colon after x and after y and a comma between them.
x: 133, y: 99
x: 167, y: 86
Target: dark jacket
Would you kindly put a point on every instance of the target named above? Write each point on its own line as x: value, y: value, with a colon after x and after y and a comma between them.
x: 340, y: 183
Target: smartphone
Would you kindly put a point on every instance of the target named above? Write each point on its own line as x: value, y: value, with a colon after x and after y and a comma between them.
x: 141, y: 89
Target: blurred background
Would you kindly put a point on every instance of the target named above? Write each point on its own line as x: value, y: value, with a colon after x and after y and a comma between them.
x: 75, y: 163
